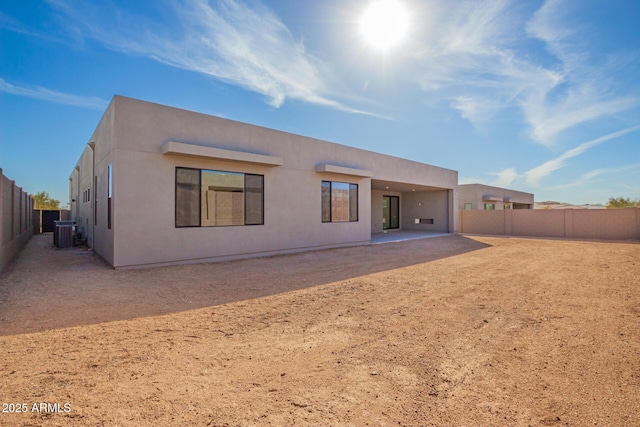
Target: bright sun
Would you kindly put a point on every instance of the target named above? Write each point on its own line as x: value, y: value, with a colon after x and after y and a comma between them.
x: 384, y: 24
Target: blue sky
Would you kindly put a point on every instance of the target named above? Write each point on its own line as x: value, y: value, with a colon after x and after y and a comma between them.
x: 539, y: 96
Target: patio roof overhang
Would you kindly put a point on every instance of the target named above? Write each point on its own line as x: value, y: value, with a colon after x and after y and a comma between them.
x: 401, y: 187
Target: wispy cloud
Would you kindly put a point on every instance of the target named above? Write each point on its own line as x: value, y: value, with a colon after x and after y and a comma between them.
x: 590, y: 177
x: 505, y: 177
x: 44, y: 94
x: 244, y: 45
x: 589, y: 92
x: 533, y: 176
x: 470, y: 180
x: 478, y: 56
x: 9, y: 23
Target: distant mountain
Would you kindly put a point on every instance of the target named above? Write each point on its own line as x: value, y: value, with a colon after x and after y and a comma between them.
x: 550, y: 204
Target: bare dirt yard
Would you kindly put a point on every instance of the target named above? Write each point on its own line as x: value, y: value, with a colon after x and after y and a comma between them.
x: 447, y: 331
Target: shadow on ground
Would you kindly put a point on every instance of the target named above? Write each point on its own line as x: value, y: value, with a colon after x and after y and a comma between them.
x: 48, y: 288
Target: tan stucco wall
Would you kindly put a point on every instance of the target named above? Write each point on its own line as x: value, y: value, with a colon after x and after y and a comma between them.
x: 104, y: 154
x: 426, y: 204
x: 291, y: 219
x: 131, y: 136
x: 607, y: 224
x: 468, y: 194
x: 142, y: 126
x: 474, y: 193
x: 84, y: 208
x: 93, y: 164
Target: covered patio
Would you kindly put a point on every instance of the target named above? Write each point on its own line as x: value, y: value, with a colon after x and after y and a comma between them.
x: 403, y: 211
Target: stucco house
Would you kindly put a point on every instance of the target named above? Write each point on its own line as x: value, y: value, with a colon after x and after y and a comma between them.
x: 486, y: 197
x: 158, y: 185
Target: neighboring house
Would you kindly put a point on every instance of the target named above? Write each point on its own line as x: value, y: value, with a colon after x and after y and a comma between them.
x: 486, y: 197
x: 158, y: 185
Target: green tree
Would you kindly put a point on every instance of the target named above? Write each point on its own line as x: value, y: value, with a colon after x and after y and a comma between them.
x: 622, y: 202
x: 44, y: 201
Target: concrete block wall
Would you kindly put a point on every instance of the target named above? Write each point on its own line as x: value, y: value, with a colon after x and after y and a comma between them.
x: 482, y: 222
x: 606, y: 224
x: 16, y: 220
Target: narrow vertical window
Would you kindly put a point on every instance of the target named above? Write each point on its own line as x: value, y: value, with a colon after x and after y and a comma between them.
x: 253, y: 199
x: 326, y: 201
x: 353, y: 202
x: 109, y: 194
x: 187, y: 197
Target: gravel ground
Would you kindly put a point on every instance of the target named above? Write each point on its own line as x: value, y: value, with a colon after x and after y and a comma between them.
x: 447, y: 331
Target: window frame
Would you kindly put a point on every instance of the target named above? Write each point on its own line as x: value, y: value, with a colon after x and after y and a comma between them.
x: 244, y: 202
x: 352, y: 188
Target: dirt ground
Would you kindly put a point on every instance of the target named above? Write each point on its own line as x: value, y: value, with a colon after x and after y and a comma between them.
x: 447, y: 331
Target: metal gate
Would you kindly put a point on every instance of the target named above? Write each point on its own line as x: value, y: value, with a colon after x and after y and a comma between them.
x: 48, y: 218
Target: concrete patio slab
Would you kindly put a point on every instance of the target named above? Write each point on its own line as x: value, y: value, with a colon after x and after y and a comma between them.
x: 402, y: 235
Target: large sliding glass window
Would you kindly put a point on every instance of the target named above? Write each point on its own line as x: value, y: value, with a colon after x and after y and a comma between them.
x: 209, y: 198
x: 339, y: 202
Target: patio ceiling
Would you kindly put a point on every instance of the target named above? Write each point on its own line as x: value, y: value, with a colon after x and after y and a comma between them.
x: 401, y: 187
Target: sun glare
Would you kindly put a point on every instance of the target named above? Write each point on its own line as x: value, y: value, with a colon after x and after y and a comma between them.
x: 384, y: 23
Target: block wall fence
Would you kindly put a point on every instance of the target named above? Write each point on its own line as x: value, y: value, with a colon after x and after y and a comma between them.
x: 16, y: 220
x: 601, y: 224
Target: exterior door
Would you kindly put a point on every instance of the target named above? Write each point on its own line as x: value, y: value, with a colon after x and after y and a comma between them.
x: 390, y: 212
